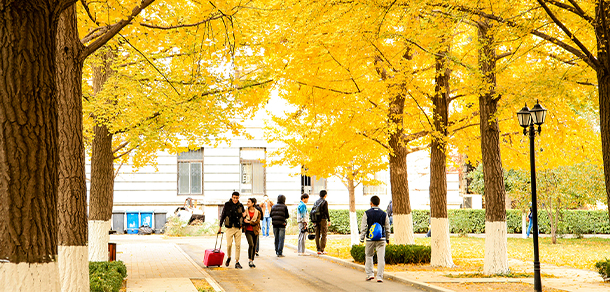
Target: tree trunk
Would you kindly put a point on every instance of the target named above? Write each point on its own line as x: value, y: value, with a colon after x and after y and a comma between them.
x: 72, y: 191
x: 102, y: 175
x: 28, y: 146
x: 603, y: 81
x: 496, y: 257
x: 353, y: 219
x: 440, y: 244
x: 403, y: 220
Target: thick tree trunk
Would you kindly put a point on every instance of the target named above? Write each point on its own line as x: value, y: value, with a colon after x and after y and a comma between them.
x: 440, y: 244
x: 102, y: 176
x: 496, y: 257
x: 403, y: 220
x: 72, y: 190
x: 28, y: 146
x: 353, y: 219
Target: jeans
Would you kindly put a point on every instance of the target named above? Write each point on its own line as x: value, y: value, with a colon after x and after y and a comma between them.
x: 265, y: 226
x: 369, y: 252
x: 321, y: 231
x: 529, y: 228
x: 302, y: 236
x: 252, y: 240
x: 279, y: 234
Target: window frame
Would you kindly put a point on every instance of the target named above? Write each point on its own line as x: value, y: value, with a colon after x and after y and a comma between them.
x: 189, y: 161
x: 243, y: 161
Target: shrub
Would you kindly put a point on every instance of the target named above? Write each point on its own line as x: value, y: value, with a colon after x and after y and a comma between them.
x: 106, y: 276
x: 397, y: 254
x: 177, y: 227
x: 603, y: 268
x: 463, y: 221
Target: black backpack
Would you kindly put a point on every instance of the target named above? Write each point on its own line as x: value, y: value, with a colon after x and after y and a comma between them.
x: 314, y: 215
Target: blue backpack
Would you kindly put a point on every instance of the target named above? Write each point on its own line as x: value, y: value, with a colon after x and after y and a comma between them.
x: 375, y: 232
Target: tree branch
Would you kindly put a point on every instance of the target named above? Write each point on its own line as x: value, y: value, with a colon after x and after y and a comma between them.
x: 181, y: 25
x: 120, y: 147
x: 124, y: 153
x: 329, y: 89
x: 414, y: 136
x: 114, y: 30
x: 375, y: 139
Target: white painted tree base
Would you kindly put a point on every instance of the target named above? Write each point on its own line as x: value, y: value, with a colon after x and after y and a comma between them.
x: 440, y: 244
x: 403, y: 229
x: 496, y: 256
x: 28, y: 277
x: 73, y: 268
x: 98, y: 240
x: 353, y: 227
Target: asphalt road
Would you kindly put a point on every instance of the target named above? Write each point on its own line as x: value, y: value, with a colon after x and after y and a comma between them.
x: 290, y: 273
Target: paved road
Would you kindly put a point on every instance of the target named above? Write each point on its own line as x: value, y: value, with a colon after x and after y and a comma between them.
x: 291, y: 273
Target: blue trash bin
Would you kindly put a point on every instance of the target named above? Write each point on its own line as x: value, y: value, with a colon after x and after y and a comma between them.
x: 146, y: 218
x: 133, y: 222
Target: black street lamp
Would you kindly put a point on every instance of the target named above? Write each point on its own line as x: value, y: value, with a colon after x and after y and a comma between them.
x: 527, y: 119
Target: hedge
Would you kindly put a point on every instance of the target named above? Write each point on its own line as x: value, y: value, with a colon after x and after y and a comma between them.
x: 462, y: 221
x: 397, y: 254
x: 603, y: 268
x: 106, y: 276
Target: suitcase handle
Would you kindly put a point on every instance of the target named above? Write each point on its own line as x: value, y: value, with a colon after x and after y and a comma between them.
x: 220, y: 240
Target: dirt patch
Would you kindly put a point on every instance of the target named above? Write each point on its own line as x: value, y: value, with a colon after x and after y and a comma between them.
x: 202, y: 285
x: 502, y: 287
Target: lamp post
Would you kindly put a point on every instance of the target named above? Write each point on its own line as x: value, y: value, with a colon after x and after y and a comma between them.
x: 527, y: 119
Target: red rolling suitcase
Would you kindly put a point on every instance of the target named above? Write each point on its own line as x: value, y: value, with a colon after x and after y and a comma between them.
x: 214, y: 257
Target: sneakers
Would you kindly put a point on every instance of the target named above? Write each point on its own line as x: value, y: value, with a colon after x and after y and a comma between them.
x: 228, y: 261
x: 370, y: 278
x: 257, y: 253
x: 319, y: 252
x: 280, y: 255
x: 251, y: 264
x: 238, y: 266
x: 324, y: 252
x: 379, y: 280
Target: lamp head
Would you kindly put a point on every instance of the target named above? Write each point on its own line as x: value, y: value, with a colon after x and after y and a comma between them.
x: 525, y: 117
x: 538, y: 114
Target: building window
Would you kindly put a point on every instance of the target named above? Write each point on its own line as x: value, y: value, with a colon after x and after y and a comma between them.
x: 252, y: 172
x: 312, y: 184
x: 190, y: 172
x: 378, y: 190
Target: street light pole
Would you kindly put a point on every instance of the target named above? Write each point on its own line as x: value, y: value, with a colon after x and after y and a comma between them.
x: 537, y: 279
x: 527, y: 119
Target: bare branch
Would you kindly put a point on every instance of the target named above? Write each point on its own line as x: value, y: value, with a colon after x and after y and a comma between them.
x: 120, y: 147
x: 124, y: 153
x: 328, y: 89
x: 503, y: 55
x: 414, y: 136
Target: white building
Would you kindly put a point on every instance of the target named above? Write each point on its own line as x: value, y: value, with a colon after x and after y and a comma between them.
x: 209, y: 175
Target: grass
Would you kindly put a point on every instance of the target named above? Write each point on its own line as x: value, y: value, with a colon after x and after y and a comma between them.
x: 468, y: 252
x: 202, y: 285
x: 507, y: 275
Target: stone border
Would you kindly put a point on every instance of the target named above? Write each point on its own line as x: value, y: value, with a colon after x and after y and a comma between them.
x: 205, y: 274
x: 388, y: 275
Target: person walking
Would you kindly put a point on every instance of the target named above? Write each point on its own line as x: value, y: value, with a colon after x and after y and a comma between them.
x: 390, y: 213
x: 373, y: 244
x: 258, y: 238
x: 232, y: 217
x: 529, y: 218
x: 266, y: 206
x: 322, y: 226
x: 302, y: 220
x: 253, y: 228
x: 279, y: 214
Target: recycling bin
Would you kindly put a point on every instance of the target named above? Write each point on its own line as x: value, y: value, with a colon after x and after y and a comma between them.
x: 133, y: 222
x: 160, y: 220
x: 146, y: 218
x: 118, y: 221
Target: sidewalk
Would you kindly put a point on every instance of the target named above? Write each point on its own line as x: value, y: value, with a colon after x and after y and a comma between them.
x: 154, y: 265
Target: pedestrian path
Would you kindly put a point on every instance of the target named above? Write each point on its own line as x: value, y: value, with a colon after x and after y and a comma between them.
x: 156, y: 266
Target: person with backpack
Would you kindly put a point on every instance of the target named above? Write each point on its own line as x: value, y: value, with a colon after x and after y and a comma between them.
x: 375, y: 227
x: 302, y: 220
x: 279, y: 214
x: 321, y: 219
x: 232, y: 217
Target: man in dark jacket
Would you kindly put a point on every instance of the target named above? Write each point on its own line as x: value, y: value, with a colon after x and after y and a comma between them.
x: 323, y: 224
x: 279, y: 214
x: 370, y: 217
x: 232, y: 217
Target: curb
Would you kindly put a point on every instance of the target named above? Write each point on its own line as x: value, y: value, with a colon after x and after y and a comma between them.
x: 205, y: 274
x: 388, y: 275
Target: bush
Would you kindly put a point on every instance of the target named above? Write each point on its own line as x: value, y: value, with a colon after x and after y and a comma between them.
x: 177, y: 227
x: 463, y: 221
x: 397, y: 254
x: 106, y: 276
x: 603, y: 267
